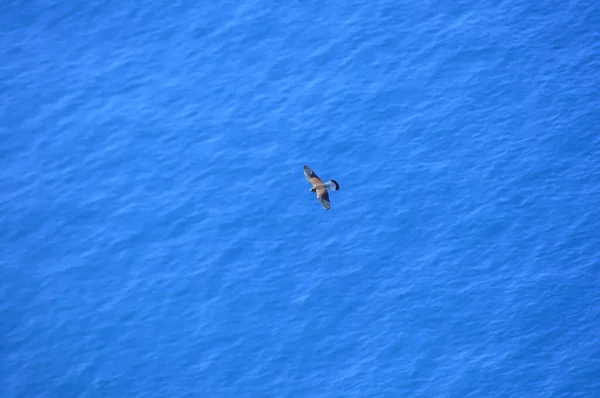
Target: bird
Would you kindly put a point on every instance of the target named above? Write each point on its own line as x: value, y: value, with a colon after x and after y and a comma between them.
x: 321, y: 187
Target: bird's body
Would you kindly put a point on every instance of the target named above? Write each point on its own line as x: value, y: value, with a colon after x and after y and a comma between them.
x: 320, y: 187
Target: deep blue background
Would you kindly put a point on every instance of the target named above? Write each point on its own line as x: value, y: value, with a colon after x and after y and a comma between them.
x: 158, y: 237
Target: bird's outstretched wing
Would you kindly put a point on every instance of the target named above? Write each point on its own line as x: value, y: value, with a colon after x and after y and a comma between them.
x: 323, y: 197
x: 312, y: 177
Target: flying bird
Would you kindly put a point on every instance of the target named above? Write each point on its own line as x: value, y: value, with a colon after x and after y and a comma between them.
x: 321, y: 187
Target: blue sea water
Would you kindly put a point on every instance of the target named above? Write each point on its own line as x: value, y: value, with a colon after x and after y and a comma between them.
x: 158, y: 237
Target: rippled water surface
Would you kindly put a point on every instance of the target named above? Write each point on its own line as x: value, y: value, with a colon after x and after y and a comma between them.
x: 158, y: 237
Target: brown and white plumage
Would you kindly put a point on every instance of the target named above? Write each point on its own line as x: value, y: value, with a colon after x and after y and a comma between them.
x: 321, y: 187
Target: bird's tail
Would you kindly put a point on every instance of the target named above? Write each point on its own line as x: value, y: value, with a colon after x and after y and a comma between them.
x: 333, y: 185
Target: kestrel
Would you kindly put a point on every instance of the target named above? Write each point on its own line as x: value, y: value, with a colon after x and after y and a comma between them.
x: 321, y: 187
